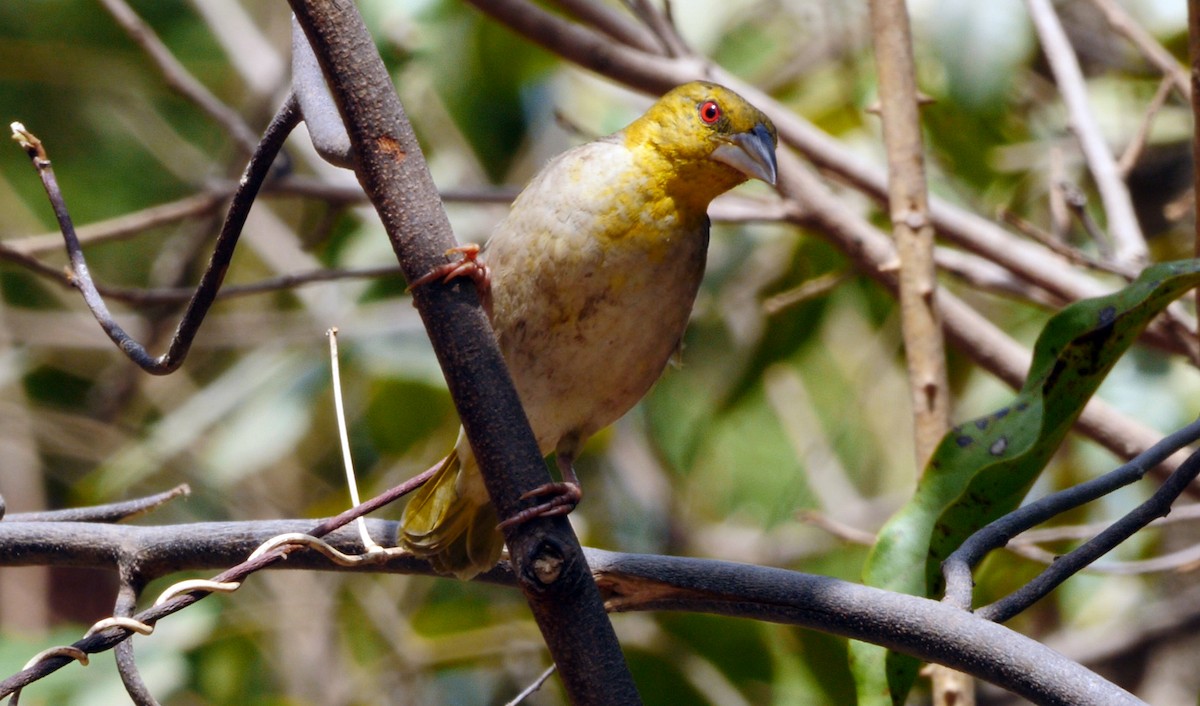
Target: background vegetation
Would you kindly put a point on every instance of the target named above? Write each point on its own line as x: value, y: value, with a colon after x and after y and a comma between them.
x: 784, y: 438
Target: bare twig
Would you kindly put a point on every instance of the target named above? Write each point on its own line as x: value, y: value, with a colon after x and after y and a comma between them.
x: 533, y: 687
x: 1076, y: 202
x: 1072, y: 254
x: 660, y: 23
x: 1182, y: 560
x: 1071, y: 563
x: 1156, y: 53
x: 1133, y: 151
x: 957, y: 568
x: 908, y: 205
x: 126, y: 225
x: 612, y: 23
x: 135, y: 686
x: 285, y: 120
x: 112, y: 512
x: 178, y: 77
x: 814, y: 288
x: 1130, y: 246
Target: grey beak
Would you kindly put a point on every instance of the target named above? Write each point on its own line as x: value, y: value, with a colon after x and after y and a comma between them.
x: 751, y: 153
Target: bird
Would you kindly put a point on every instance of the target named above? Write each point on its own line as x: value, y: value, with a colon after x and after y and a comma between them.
x: 589, y: 283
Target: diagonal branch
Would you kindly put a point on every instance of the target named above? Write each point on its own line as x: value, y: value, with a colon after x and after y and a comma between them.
x: 957, y: 567
x: 1118, y: 205
x: 210, y: 282
x: 178, y: 77
x: 548, y: 560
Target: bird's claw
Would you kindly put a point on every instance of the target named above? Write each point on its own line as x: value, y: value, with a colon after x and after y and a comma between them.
x: 470, y: 266
x: 563, y: 499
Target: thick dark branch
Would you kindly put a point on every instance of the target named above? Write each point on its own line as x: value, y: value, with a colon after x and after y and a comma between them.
x: 923, y: 628
x: 392, y: 171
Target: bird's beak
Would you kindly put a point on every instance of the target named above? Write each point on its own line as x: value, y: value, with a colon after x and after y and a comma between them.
x: 751, y: 153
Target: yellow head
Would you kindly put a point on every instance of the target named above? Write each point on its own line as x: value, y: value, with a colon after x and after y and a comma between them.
x: 701, y: 139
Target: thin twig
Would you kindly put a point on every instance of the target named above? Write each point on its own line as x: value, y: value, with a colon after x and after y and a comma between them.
x: 1076, y: 202
x: 135, y: 686
x: 178, y: 295
x: 532, y: 688
x: 661, y: 25
x: 1130, y: 245
x: 956, y: 569
x: 612, y: 23
x: 1182, y: 560
x: 1156, y: 53
x: 1133, y: 151
x: 1072, y: 254
x: 210, y: 282
x: 1071, y: 563
x: 112, y: 512
x: 178, y: 77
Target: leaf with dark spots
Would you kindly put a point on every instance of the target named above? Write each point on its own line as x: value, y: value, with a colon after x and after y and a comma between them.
x: 972, y: 480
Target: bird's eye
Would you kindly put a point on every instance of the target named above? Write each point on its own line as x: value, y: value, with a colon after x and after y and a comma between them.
x: 710, y: 112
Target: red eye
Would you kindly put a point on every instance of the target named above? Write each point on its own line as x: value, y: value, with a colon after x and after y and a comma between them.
x: 710, y: 112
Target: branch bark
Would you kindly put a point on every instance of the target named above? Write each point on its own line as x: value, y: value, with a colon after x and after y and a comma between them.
x: 908, y: 204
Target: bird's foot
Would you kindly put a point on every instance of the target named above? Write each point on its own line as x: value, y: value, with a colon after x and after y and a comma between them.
x: 563, y: 497
x: 469, y: 266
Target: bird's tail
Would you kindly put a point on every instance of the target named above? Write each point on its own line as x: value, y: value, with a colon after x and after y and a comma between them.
x: 451, y: 522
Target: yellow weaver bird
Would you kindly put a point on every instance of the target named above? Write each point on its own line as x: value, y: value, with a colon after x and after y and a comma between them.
x: 592, y: 278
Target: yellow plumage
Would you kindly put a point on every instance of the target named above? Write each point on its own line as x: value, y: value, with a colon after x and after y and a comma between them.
x: 593, y: 276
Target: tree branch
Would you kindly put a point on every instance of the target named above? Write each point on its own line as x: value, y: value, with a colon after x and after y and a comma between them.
x: 1118, y: 206
x: 388, y: 162
x: 957, y: 567
x: 924, y: 628
x: 210, y: 282
x: 908, y: 206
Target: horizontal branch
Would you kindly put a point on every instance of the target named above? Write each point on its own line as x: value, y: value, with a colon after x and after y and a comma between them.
x: 924, y: 628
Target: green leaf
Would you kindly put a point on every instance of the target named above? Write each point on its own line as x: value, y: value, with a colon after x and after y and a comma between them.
x: 982, y: 469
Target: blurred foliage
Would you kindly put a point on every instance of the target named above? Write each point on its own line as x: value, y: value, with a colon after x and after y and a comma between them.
x: 717, y: 462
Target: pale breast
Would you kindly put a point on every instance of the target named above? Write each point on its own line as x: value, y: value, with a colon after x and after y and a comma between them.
x: 593, y: 280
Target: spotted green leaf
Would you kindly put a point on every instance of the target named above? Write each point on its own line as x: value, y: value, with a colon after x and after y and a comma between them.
x: 982, y: 469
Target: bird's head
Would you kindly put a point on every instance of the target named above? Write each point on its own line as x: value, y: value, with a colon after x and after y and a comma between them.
x: 702, y: 139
